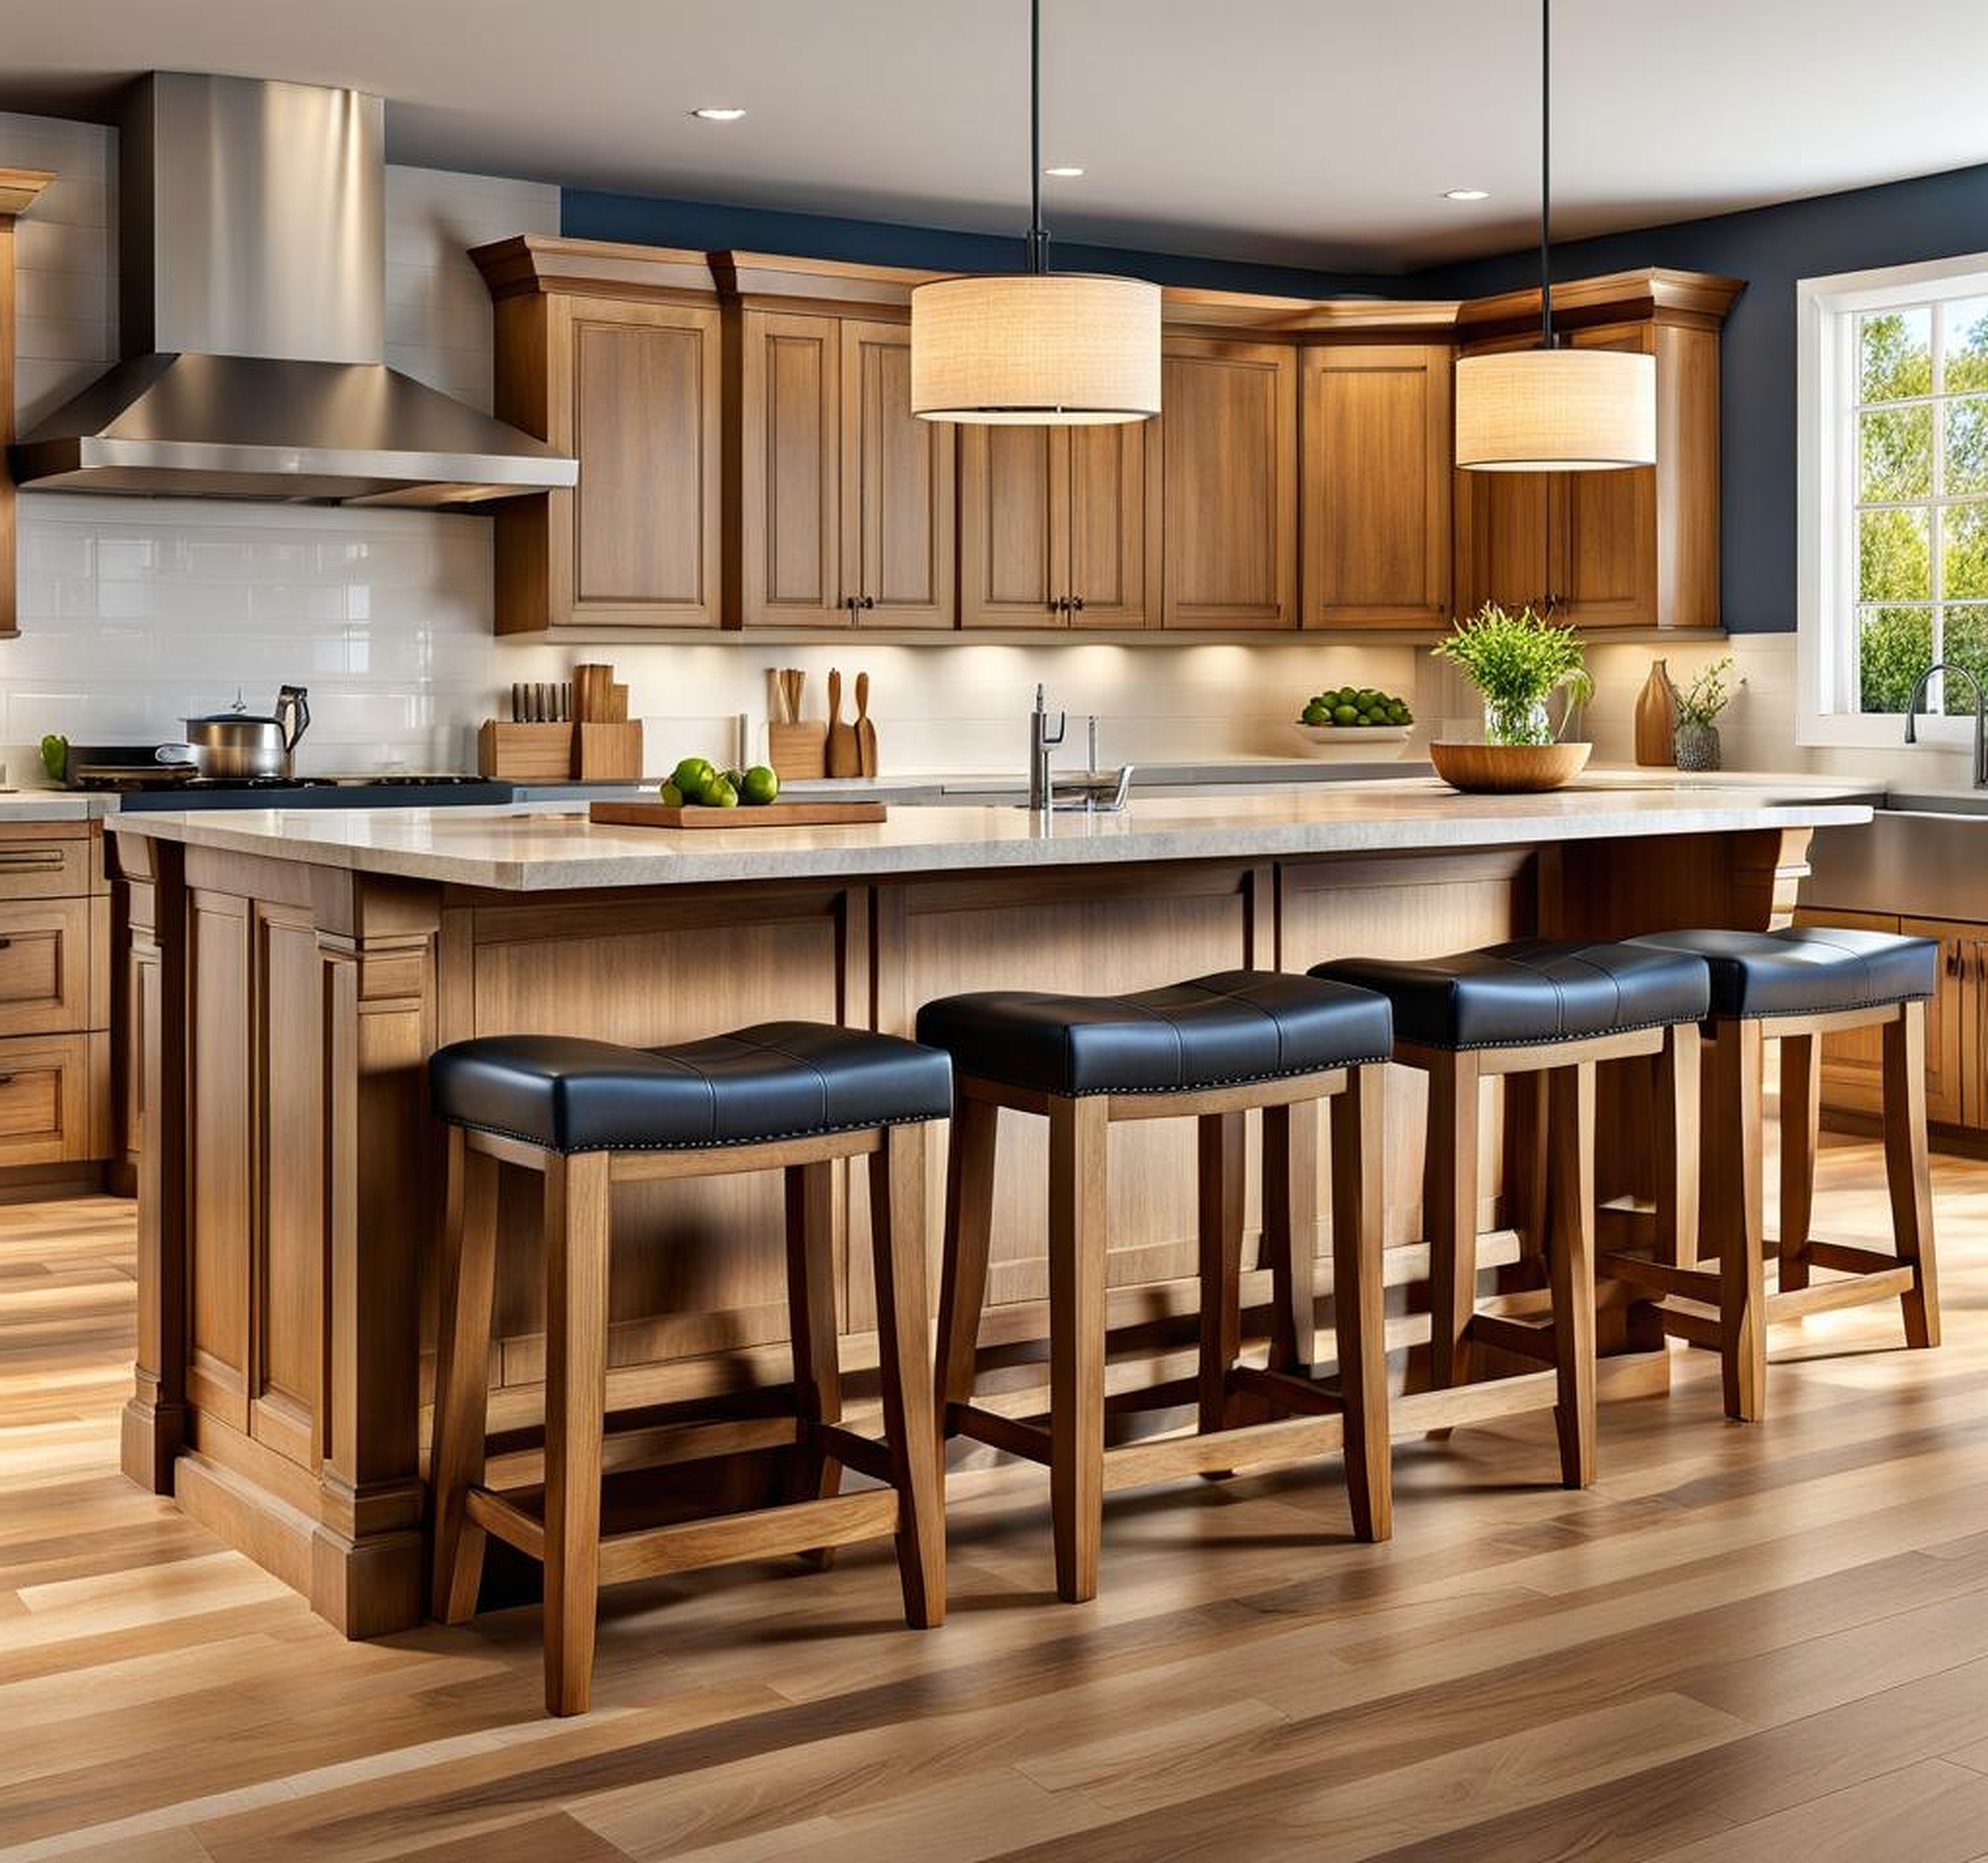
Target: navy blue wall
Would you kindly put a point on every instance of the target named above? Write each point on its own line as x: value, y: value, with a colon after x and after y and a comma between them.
x: 701, y: 226
x: 1937, y: 217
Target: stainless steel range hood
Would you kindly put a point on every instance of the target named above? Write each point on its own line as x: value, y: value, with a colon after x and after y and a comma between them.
x: 253, y: 303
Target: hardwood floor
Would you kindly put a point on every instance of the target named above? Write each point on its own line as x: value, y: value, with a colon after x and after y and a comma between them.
x: 1742, y: 1643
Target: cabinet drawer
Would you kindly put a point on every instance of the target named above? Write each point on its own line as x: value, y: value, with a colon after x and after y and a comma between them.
x: 45, y: 967
x: 47, y: 1101
x: 44, y: 867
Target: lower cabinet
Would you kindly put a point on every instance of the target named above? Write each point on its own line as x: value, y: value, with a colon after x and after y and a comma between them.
x: 1957, y: 1078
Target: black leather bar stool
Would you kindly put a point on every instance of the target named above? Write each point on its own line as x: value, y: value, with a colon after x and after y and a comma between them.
x: 1795, y: 987
x: 1536, y: 1007
x: 585, y: 1116
x: 1212, y: 1049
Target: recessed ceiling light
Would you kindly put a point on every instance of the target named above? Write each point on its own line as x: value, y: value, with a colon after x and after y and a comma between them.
x: 719, y: 113
x: 1465, y: 194
x: 1066, y: 173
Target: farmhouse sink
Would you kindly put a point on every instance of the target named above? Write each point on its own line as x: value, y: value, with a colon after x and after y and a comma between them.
x: 1924, y: 863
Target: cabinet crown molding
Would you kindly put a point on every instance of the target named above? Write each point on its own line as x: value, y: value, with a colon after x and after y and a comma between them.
x: 20, y: 188
x: 536, y: 264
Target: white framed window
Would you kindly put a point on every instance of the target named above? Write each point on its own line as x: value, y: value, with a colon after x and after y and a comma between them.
x: 1892, y: 471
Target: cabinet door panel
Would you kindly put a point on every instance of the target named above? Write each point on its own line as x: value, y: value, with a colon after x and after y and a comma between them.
x: 1014, y: 528
x: 1229, y: 444
x: 790, y: 502
x: 1956, y: 990
x: 1610, y: 555
x: 1375, y: 486
x: 219, y: 1089
x: 644, y: 427
x: 1114, y: 524
x: 898, y: 517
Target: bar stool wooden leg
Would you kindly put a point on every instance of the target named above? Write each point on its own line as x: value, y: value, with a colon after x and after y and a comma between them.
x: 898, y: 1245
x: 1077, y: 1325
x: 1570, y: 1121
x: 463, y: 1374
x: 813, y: 1475
x: 1449, y: 1215
x: 1526, y: 1175
x: 1291, y: 1185
x: 576, y: 1253
x: 1801, y: 1132
x: 1906, y: 1169
x: 1679, y: 1074
x: 969, y: 1226
x: 1738, y: 1059
x: 1359, y: 1315
x: 1220, y: 1179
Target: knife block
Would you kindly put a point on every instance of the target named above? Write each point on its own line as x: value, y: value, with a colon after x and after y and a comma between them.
x: 608, y: 753
x: 798, y: 753
x: 526, y: 752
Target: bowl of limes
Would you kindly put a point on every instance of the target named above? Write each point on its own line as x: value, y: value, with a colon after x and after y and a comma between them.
x: 1347, y: 723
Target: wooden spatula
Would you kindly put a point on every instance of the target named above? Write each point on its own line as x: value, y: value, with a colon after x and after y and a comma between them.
x: 865, y: 732
x: 844, y: 759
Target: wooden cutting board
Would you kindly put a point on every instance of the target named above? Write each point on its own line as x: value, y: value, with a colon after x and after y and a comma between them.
x: 772, y: 815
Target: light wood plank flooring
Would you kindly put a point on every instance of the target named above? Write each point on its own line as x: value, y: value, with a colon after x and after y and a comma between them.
x: 1743, y: 1644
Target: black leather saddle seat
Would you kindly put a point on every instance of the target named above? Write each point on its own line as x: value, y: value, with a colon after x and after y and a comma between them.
x: 1532, y: 991
x: 1806, y: 970
x: 1230, y: 1029
x: 777, y: 1080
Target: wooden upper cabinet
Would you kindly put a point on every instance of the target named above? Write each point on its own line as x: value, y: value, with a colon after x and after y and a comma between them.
x: 611, y: 353
x: 898, y: 479
x: 1059, y: 527
x: 1375, y: 482
x: 20, y: 188
x: 845, y: 498
x: 1228, y: 443
x: 790, y: 506
x: 1636, y: 548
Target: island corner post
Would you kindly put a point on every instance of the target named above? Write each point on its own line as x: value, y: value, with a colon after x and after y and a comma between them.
x: 290, y: 1172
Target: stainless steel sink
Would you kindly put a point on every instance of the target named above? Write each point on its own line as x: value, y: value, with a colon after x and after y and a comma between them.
x: 1924, y: 863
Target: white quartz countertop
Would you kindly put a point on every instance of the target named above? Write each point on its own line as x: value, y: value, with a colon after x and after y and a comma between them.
x: 541, y: 850
x: 53, y: 805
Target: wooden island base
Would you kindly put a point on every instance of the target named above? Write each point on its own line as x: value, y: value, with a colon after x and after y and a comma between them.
x: 290, y: 1170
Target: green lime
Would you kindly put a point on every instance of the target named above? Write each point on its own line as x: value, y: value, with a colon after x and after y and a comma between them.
x: 720, y: 795
x: 1345, y: 715
x: 1318, y: 714
x: 692, y: 774
x: 759, y: 787
x: 672, y: 797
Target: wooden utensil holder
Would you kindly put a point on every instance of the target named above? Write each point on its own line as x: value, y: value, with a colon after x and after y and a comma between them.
x: 798, y: 753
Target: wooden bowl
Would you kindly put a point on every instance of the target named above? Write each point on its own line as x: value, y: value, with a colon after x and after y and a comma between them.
x: 1508, y: 769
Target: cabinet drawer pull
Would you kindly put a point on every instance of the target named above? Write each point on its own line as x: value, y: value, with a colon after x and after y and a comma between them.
x: 6, y: 1080
x: 6, y: 944
x: 29, y: 860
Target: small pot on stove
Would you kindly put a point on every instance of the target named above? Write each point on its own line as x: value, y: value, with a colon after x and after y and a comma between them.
x: 238, y: 742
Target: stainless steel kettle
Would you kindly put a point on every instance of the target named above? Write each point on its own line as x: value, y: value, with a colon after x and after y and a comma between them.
x: 238, y: 742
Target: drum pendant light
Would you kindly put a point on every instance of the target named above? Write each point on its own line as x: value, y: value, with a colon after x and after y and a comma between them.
x: 1552, y: 410
x: 1036, y: 348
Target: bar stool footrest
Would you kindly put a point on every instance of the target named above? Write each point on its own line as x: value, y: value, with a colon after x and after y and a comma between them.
x: 648, y: 1552
x: 1852, y: 1290
x: 1846, y: 1258
x: 1523, y: 1339
x: 1452, y: 1406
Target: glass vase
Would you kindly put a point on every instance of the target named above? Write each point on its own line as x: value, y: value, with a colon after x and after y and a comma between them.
x: 1526, y: 724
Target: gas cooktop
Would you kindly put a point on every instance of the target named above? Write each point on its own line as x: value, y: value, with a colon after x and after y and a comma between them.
x: 389, y: 791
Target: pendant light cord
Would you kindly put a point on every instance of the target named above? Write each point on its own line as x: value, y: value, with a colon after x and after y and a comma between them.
x: 1038, y: 240
x: 1546, y: 173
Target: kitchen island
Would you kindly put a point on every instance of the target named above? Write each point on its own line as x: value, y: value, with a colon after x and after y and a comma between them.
x: 294, y: 970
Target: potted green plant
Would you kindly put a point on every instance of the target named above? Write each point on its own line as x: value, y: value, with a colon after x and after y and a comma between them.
x: 1698, y: 706
x: 1518, y: 663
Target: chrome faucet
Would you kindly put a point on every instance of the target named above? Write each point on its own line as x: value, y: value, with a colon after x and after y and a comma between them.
x: 1981, y: 714
x: 1042, y: 740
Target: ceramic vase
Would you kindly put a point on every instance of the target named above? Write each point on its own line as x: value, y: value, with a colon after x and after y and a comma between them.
x: 1698, y: 745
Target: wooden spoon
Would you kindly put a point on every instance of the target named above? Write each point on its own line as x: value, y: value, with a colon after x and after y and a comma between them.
x: 865, y: 732
x: 844, y: 759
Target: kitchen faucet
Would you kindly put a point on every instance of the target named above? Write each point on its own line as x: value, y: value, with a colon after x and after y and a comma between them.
x: 1981, y: 714
x: 1092, y: 794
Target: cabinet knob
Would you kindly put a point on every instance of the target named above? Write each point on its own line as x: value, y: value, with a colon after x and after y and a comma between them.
x: 1075, y: 602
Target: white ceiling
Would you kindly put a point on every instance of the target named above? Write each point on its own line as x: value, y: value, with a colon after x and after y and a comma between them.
x: 1309, y: 132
